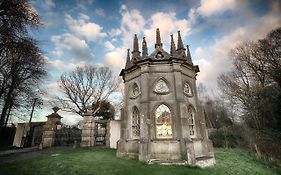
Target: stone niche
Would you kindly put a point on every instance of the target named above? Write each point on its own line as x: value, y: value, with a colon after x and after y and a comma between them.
x: 162, y: 121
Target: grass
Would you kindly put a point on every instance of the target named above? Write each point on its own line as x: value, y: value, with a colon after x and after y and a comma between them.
x: 90, y: 161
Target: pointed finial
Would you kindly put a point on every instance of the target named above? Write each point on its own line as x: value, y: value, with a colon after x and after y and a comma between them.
x: 56, y: 109
x: 128, y: 61
x: 180, y: 43
x: 136, y: 52
x: 136, y: 44
x: 158, y: 38
x: 128, y: 55
x: 144, y: 48
x: 173, y: 46
x: 188, y: 55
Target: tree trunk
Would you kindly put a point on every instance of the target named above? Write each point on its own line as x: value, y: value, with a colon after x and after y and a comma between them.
x: 8, y: 114
x: 6, y: 106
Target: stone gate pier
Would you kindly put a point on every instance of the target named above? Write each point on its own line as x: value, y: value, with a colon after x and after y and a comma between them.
x: 95, y: 132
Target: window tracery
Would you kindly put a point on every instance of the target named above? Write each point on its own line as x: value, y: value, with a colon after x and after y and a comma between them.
x: 135, y: 122
x: 135, y: 90
x: 187, y: 89
x: 191, y: 120
x: 163, y: 120
x: 161, y: 87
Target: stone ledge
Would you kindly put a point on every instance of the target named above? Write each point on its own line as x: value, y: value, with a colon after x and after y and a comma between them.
x: 166, y: 162
x: 201, y: 162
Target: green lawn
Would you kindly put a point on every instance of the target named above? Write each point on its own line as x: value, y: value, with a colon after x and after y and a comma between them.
x: 92, y: 161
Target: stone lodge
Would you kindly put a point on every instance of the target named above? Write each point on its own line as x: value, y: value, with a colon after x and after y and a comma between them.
x: 162, y: 121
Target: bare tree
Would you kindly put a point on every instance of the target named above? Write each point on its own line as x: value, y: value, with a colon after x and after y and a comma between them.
x: 86, y: 86
x: 270, y: 51
x: 250, y: 85
x: 23, y: 74
x: 21, y: 62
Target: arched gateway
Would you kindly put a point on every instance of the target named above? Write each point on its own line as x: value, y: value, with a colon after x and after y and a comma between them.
x: 162, y: 121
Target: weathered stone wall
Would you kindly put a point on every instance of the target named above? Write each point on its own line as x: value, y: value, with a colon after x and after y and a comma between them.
x: 182, y: 145
x: 19, y: 134
x: 114, y: 131
x: 88, y: 131
x: 168, y: 149
x: 49, y: 129
x: 48, y: 138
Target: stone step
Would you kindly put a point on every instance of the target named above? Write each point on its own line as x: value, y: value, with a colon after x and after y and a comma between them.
x: 167, y: 162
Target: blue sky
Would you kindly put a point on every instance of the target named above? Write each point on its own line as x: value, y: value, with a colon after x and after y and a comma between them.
x: 79, y: 32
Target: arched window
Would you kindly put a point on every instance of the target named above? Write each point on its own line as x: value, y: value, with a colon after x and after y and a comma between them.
x: 187, y: 89
x: 136, y: 122
x: 135, y: 91
x: 161, y: 87
x: 163, y: 120
x: 191, y: 121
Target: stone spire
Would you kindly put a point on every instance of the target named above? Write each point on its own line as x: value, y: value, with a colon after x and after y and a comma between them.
x: 128, y: 61
x: 188, y: 55
x: 158, y: 38
x: 144, y: 48
x: 136, y: 52
x: 173, y: 46
x: 180, y: 43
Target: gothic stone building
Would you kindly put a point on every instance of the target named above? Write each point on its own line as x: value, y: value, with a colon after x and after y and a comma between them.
x: 162, y: 121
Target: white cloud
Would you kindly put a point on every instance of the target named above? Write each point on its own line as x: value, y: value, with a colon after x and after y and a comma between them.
x: 115, y: 32
x: 48, y: 4
x: 72, y: 44
x: 165, y: 27
x: 62, y: 66
x: 57, y: 64
x: 132, y: 22
x: 199, y: 53
x: 82, y: 27
x: 100, y: 12
x: 218, y: 61
x: 114, y: 60
x: 109, y: 45
x: 210, y: 7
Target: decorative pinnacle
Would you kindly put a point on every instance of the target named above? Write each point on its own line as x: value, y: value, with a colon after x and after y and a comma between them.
x: 136, y: 52
x: 180, y: 43
x: 56, y: 109
x: 158, y: 38
x: 144, y: 48
x: 136, y: 44
x: 188, y: 55
x: 173, y: 46
x: 128, y: 58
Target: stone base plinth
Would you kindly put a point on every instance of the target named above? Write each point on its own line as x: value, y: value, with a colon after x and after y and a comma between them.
x: 167, y: 152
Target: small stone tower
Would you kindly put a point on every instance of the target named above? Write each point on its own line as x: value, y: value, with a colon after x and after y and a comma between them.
x: 162, y: 121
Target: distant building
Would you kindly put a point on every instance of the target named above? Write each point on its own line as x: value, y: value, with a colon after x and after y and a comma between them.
x: 28, y: 134
x: 162, y: 120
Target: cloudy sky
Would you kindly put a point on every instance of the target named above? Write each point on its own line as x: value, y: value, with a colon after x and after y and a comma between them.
x: 78, y: 32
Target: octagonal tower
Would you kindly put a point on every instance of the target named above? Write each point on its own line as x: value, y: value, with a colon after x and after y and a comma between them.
x: 162, y: 120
